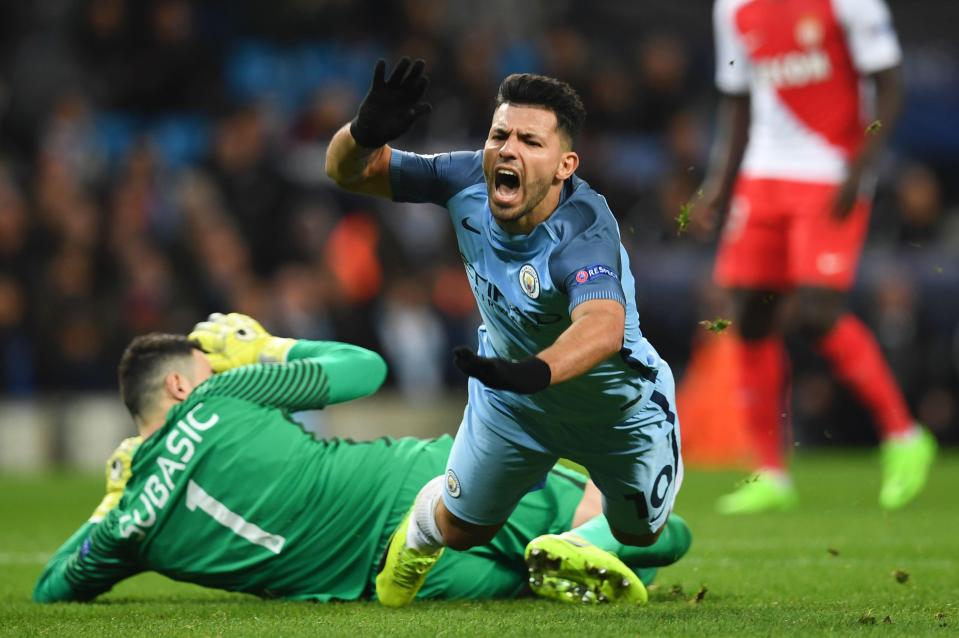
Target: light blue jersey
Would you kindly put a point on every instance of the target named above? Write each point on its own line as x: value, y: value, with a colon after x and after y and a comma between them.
x: 526, y: 287
x: 617, y: 419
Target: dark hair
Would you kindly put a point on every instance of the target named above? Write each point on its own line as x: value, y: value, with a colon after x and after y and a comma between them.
x: 539, y: 90
x: 145, y: 359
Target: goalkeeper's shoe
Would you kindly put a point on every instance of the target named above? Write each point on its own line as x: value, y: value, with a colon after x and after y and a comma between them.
x: 762, y: 492
x: 404, y: 569
x: 565, y: 567
x: 905, y: 467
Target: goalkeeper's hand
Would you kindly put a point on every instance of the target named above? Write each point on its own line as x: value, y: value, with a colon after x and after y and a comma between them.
x: 527, y: 376
x: 118, y: 472
x: 235, y: 340
x: 391, y: 105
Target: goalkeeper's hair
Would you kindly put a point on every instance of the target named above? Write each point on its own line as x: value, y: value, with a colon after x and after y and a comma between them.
x: 144, y: 365
x: 549, y: 93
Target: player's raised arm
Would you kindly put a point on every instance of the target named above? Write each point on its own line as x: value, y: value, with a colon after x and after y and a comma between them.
x: 358, y: 158
x: 315, y: 374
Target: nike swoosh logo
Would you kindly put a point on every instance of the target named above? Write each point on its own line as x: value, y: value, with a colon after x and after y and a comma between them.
x: 466, y: 225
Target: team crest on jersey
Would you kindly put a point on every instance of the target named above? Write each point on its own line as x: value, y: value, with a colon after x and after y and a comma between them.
x: 529, y: 281
x: 809, y: 32
x: 452, y: 484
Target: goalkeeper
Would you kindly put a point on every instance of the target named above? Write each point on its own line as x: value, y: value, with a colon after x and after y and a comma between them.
x: 222, y: 489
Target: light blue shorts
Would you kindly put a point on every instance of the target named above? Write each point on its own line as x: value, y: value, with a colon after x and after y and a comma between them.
x: 636, y: 463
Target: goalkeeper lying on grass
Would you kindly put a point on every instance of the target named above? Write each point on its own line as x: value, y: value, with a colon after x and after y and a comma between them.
x: 222, y: 489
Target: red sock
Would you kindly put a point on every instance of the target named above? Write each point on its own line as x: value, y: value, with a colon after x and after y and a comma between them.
x: 763, y: 379
x: 858, y: 362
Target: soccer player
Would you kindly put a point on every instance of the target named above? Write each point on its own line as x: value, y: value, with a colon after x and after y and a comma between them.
x: 794, y: 160
x: 563, y: 369
x: 221, y: 489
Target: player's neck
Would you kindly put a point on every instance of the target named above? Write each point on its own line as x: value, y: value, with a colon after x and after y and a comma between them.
x: 153, y: 421
x: 540, y: 213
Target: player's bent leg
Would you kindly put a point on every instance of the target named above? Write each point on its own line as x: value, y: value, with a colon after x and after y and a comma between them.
x: 413, y: 550
x: 462, y: 535
x: 567, y: 568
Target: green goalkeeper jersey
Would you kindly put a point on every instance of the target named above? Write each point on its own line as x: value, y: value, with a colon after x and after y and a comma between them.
x: 231, y: 493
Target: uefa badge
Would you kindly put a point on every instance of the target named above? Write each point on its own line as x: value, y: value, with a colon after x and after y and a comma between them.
x: 529, y: 281
x: 452, y: 484
x: 809, y: 32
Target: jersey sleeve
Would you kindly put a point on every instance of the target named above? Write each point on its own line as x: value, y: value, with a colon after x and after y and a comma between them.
x: 589, y: 266
x: 433, y: 178
x: 316, y: 374
x: 88, y: 564
x: 732, y: 61
x: 870, y: 34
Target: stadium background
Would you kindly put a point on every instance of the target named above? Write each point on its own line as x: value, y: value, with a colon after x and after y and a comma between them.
x: 160, y: 160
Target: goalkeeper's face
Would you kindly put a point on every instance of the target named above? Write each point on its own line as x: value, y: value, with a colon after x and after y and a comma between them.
x: 526, y: 158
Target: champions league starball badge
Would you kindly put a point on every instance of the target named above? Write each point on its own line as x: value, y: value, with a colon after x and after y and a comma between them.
x: 529, y: 281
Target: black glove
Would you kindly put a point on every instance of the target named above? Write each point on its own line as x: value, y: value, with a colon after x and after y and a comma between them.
x: 390, y: 106
x: 530, y: 375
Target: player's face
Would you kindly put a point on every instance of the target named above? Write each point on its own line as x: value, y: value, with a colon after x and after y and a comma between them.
x: 524, y: 158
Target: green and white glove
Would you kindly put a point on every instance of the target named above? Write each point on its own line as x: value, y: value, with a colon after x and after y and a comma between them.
x: 235, y: 340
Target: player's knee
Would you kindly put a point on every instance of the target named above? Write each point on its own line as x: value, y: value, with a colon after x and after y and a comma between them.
x: 755, y: 313
x: 817, y: 312
x: 460, y: 535
x: 638, y: 540
x: 462, y: 540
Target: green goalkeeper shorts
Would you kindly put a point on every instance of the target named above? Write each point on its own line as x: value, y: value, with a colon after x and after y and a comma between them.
x: 495, y: 570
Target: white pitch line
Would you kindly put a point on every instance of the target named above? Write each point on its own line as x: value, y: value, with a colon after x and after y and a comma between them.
x: 24, y: 558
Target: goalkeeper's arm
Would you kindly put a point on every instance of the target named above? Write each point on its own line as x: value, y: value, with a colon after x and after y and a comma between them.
x: 88, y: 564
x: 315, y: 374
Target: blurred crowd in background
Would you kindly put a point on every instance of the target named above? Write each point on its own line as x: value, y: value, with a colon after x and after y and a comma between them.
x: 163, y: 159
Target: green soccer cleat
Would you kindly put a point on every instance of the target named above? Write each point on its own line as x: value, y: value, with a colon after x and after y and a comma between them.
x: 404, y: 569
x: 905, y: 468
x: 566, y: 568
x: 761, y: 492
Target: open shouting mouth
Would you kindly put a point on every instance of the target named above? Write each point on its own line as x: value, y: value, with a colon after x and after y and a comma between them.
x: 507, y: 185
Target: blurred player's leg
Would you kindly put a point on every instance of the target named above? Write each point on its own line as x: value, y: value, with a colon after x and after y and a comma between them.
x: 763, y: 366
x: 753, y: 263
x: 825, y: 253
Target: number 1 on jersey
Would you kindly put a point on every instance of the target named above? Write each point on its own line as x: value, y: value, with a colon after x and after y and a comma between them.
x: 196, y: 497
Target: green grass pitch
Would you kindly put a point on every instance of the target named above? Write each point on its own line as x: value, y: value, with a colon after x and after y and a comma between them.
x: 828, y: 568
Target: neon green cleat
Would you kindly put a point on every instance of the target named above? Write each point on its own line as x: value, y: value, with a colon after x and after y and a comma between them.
x: 762, y: 492
x: 905, y: 468
x: 404, y: 569
x: 565, y: 567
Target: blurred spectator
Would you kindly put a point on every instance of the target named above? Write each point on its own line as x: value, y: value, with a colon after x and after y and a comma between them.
x: 164, y: 159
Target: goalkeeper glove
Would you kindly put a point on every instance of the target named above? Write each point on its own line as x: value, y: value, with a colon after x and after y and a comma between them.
x: 390, y: 106
x: 118, y: 472
x: 235, y: 340
x: 527, y: 376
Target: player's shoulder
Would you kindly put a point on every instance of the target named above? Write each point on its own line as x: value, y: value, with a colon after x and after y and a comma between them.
x: 584, y: 213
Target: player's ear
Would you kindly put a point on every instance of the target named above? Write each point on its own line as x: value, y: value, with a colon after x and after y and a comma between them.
x: 177, y: 385
x: 568, y: 164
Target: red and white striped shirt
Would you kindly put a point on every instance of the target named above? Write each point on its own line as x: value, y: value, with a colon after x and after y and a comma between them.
x: 801, y: 61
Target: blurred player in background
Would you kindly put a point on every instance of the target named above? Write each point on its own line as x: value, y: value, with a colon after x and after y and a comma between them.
x: 563, y: 369
x: 798, y: 193
x: 223, y: 490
